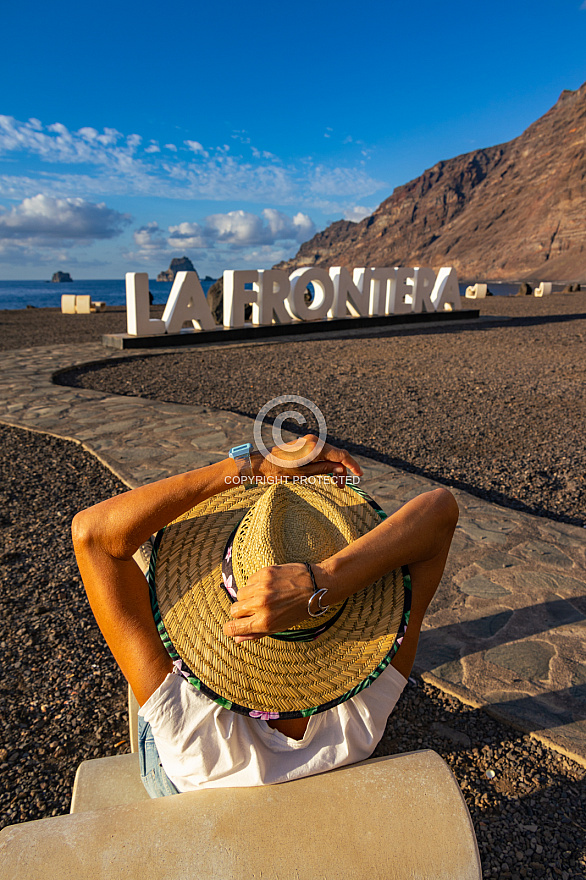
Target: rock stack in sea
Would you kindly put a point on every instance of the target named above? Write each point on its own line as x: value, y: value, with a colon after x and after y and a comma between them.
x: 178, y: 264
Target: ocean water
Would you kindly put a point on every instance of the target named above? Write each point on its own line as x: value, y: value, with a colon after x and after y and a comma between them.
x: 44, y: 294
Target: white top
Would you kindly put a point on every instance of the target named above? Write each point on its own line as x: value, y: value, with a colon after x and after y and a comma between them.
x: 203, y: 745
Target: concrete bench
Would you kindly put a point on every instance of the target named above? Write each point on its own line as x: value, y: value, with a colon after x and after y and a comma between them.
x: 476, y: 291
x: 398, y: 817
x: 107, y: 782
x: 80, y: 304
x: 68, y: 303
x: 83, y: 304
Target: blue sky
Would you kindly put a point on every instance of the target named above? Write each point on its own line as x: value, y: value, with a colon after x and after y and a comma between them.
x: 134, y: 132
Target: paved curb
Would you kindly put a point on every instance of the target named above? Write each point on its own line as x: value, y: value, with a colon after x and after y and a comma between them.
x: 506, y: 629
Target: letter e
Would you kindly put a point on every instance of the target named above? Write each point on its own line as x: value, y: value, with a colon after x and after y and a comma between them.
x: 422, y: 288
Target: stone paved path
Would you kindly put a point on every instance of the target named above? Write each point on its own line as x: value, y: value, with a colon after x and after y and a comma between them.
x: 507, y: 627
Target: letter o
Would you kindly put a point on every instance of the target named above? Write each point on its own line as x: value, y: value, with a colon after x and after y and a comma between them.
x: 324, y: 294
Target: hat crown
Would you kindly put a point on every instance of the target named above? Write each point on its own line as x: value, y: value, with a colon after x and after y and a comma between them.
x: 289, y: 523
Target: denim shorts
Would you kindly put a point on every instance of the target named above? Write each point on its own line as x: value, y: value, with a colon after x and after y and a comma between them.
x: 154, y: 778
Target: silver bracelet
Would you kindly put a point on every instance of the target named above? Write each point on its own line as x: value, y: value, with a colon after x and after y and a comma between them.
x: 316, y: 594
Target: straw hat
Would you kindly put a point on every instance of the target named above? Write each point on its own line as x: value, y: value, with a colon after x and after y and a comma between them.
x: 201, y: 559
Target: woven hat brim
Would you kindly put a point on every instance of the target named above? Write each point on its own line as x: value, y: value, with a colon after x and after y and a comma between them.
x: 268, y: 676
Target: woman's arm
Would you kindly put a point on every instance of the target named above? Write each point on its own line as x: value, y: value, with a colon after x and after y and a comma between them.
x: 106, y: 536
x: 417, y: 535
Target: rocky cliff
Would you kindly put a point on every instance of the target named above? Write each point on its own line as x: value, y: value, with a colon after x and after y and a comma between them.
x: 61, y: 277
x: 178, y: 264
x: 514, y: 211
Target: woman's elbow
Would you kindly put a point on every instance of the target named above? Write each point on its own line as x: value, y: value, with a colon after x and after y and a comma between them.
x: 84, y: 529
x: 446, y: 507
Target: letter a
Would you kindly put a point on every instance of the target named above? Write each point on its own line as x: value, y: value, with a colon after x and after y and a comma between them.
x: 446, y: 291
x: 187, y: 302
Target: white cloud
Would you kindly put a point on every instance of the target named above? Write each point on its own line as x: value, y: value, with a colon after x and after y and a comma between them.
x: 283, y: 228
x: 151, y: 239
x: 89, y: 134
x: 51, y: 222
x: 57, y: 144
x: 239, y: 228
x: 262, y: 154
x: 197, y: 148
x: 234, y: 239
x: 242, y: 229
x: 241, y: 136
x: 357, y: 213
x: 120, y: 164
x: 187, y: 235
x: 267, y: 255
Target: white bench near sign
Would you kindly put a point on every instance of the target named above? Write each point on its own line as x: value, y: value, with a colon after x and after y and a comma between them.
x: 396, y: 818
x: 79, y: 304
x: 476, y: 291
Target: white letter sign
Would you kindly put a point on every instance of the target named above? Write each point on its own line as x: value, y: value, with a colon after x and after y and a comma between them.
x: 324, y: 294
x: 138, y: 322
x: 237, y: 297
x: 187, y: 302
x: 280, y: 299
x: 380, y: 285
x: 273, y: 288
x: 422, y: 288
x: 348, y: 298
x: 399, y: 300
x: 446, y: 290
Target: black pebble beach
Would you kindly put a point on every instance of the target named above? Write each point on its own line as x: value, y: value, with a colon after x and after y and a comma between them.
x: 509, y: 400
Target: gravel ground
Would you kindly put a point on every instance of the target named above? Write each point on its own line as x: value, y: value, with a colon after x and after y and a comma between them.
x: 63, y: 699
x: 21, y: 328
x: 496, y: 409
x: 61, y: 694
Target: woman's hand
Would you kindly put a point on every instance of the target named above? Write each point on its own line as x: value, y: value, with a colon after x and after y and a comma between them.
x: 274, y: 599
x: 283, y: 460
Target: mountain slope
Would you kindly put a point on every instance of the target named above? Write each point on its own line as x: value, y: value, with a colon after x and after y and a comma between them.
x: 517, y: 210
